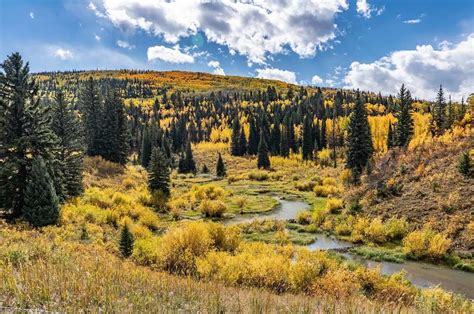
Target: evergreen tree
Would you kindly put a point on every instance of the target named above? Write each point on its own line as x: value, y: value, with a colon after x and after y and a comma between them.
x: 242, y: 143
x: 126, y: 242
x: 359, y: 146
x: 91, y: 107
x: 41, y: 203
x: 146, y: 147
x: 253, y: 138
x: 24, y: 132
x: 220, y: 167
x: 159, y: 173
x: 235, y: 138
x: 308, y: 141
x: 67, y: 127
x: 275, y: 136
x: 263, y: 161
x: 204, y: 169
x: 439, y: 113
x: 114, y: 129
x: 404, y: 126
x: 465, y: 165
x: 323, y: 141
x: 284, y: 145
x: 186, y: 162
x: 390, y: 137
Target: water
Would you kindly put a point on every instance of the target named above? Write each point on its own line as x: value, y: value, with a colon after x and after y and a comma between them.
x: 420, y: 274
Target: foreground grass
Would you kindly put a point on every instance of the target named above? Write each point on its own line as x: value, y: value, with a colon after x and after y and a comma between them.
x: 40, y: 273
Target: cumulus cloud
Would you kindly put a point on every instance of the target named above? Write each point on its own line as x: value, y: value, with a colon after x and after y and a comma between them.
x: 413, y: 21
x: 251, y: 28
x: 172, y: 55
x: 365, y: 9
x: 217, y: 67
x: 277, y: 74
x: 124, y: 44
x: 422, y: 70
x: 94, y: 9
x: 63, y: 54
x: 32, y: 15
x: 316, y: 80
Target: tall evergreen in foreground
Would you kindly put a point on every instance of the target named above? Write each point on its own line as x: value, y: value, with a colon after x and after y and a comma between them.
x: 263, y: 161
x: 126, y: 242
x: 159, y: 173
x: 235, y: 138
x: 114, y: 135
x: 359, y: 140
x: 25, y: 132
x: 253, y: 138
x: 242, y: 142
x: 41, y: 202
x: 284, y: 144
x: 390, y: 137
x: 220, y: 167
x: 439, y: 113
x: 404, y: 126
x: 308, y: 141
x: 186, y: 161
x: 91, y: 108
x: 67, y: 127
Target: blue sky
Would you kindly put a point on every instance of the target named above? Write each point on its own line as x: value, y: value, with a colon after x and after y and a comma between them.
x: 374, y: 45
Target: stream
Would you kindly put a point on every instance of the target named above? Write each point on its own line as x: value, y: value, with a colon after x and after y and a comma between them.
x: 420, y: 274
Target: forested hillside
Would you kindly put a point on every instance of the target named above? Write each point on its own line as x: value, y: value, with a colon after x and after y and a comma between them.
x: 135, y: 179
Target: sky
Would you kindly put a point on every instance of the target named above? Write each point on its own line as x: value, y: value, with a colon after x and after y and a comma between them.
x: 367, y: 44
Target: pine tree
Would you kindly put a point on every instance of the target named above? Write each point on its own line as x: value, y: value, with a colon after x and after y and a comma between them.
x: 404, y: 126
x: 235, y: 143
x: 284, y: 145
x: 390, y: 137
x: 253, y: 138
x: 323, y: 141
x: 67, y: 127
x: 204, y: 169
x: 24, y: 132
x: 126, y: 242
x: 114, y: 135
x: 242, y: 143
x: 41, y: 203
x: 464, y: 165
x: 263, y: 161
x: 359, y: 139
x: 159, y: 173
x: 91, y: 107
x: 275, y: 136
x: 186, y: 162
x: 220, y: 167
x: 439, y: 113
x: 146, y: 147
x: 308, y: 141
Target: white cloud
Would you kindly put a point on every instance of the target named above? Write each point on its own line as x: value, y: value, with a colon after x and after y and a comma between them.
x: 365, y: 9
x: 413, y: 21
x: 316, y: 80
x: 251, y: 28
x: 217, y: 67
x: 94, y: 9
x: 277, y: 74
x: 63, y: 54
x: 124, y: 44
x: 172, y: 55
x: 97, y: 37
x: 32, y: 15
x: 422, y: 70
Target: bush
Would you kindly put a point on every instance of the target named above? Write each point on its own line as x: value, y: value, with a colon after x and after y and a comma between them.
x: 206, y: 192
x: 426, y: 243
x: 303, y: 218
x: 305, y: 186
x: 396, y: 229
x: 375, y: 232
x: 328, y: 181
x: 158, y: 200
x: 212, y: 208
x: 325, y: 190
x: 258, y: 175
x: 334, y: 206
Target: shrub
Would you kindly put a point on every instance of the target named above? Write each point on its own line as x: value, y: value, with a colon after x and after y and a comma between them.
x: 396, y: 229
x: 305, y: 186
x: 206, y: 192
x: 328, y: 181
x: 224, y: 238
x: 438, y: 246
x: 258, y: 175
x: 358, y: 231
x: 346, y: 177
x: 426, y: 243
x: 158, y: 200
x: 375, y: 232
x: 240, y: 201
x: 128, y: 183
x: 334, y: 205
x: 212, y: 208
x: 325, y: 190
x: 303, y: 218
x: 145, y: 251
x: 149, y: 220
x: 318, y: 217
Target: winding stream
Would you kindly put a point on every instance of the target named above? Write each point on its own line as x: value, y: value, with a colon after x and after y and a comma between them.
x: 420, y: 274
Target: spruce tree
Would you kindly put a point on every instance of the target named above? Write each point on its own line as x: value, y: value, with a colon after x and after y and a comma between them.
x: 390, y: 137
x: 275, y: 136
x: 204, y: 169
x: 235, y: 138
x: 146, y: 147
x: 67, y: 127
x: 159, y: 173
x: 464, y: 165
x: 308, y: 142
x: 114, y: 133
x: 284, y: 145
x: 439, y: 112
x: 91, y: 107
x: 126, y: 242
x: 242, y: 143
x: 323, y: 141
x: 186, y: 161
x: 41, y: 202
x: 253, y: 138
x: 220, y: 167
x: 263, y: 161
x: 24, y: 132
x: 359, y: 146
x: 404, y: 126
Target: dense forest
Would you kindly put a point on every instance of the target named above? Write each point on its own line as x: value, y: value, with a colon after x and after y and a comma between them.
x: 141, y: 168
